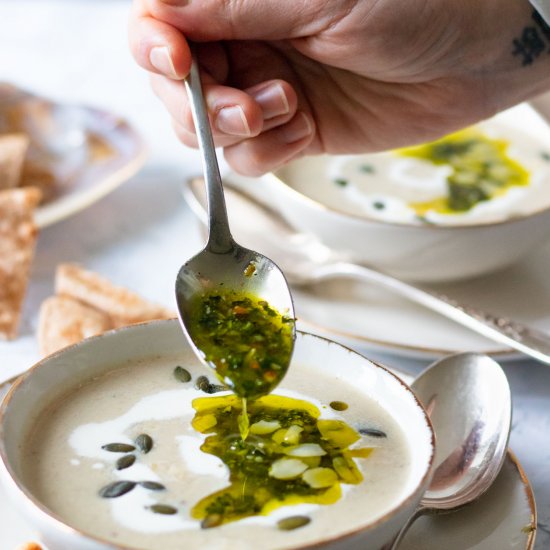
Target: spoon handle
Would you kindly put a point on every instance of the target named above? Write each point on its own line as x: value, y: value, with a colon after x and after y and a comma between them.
x: 220, y: 240
x: 529, y: 341
x: 420, y: 511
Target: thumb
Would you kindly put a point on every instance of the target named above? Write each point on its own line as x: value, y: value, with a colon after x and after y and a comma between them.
x: 210, y: 20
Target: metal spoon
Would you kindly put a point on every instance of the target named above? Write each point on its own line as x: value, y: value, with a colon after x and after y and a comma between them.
x: 468, y: 400
x: 222, y: 264
x: 305, y: 260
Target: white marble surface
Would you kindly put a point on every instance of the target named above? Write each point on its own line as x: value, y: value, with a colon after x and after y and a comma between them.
x: 138, y: 236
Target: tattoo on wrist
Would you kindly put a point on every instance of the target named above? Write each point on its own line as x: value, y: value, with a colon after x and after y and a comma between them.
x: 533, y: 41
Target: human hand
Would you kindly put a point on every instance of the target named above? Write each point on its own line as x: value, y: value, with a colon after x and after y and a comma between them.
x: 294, y: 77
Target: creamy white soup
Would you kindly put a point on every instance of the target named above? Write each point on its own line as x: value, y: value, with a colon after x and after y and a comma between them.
x: 134, y: 425
x: 482, y: 174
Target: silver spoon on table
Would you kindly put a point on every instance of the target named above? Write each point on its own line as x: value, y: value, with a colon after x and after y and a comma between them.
x: 305, y: 260
x: 468, y: 400
x: 223, y: 264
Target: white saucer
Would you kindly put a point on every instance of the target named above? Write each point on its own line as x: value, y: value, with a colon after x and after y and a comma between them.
x: 504, y: 519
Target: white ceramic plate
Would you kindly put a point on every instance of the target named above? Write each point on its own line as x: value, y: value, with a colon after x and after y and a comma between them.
x: 504, y: 519
x: 89, y: 151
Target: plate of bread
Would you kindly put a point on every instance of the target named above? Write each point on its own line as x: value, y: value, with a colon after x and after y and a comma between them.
x: 55, y: 160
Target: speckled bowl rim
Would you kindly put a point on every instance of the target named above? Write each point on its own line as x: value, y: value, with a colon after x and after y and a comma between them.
x: 60, y: 524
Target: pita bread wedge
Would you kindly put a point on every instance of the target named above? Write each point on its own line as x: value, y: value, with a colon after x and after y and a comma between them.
x: 17, y: 242
x: 13, y: 148
x: 41, y: 176
x: 64, y: 321
x: 122, y: 305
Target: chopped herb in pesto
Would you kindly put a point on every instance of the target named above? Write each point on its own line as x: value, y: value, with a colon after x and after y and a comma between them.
x: 250, y: 269
x: 341, y: 182
x: 247, y: 342
x: 378, y: 205
x: 182, y: 374
x: 481, y: 170
x: 290, y: 456
x: 367, y: 168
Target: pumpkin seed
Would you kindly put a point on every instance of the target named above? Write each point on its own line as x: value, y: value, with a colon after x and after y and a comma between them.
x: 212, y: 520
x: 203, y: 384
x: 287, y: 468
x: 347, y: 470
x: 292, y: 435
x: 163, y: 509
x: 373, y: 432
x: 263, y: 427
x: 293, y: 522
x: 116, y: 489
x: 338, y: 405
x: 144, y: 443
x: 125, y: 462
x: 181, y: 374
x: 306, y: 450
x: 118, y: 448
x: 319, y: 478
x: 152, y: 485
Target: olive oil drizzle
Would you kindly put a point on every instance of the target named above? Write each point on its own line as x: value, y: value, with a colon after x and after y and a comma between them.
x: 481, y: 170
x: 290, y: 455
x: 243, y: 420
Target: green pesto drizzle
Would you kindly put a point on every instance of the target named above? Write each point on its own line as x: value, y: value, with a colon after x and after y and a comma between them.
x: 291, y: 456
x: 246, y: 341
x: 481, y: 170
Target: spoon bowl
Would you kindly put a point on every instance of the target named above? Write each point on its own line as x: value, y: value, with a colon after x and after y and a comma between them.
x: 468, y: 400
x: 223, y: 265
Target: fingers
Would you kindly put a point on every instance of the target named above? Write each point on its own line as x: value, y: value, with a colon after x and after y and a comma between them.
x: 235, y: 114
x: 261, y: 122
x: 158, y: 47
x: 261, y: 154
x: 271, y: 149
x: 280, y: 138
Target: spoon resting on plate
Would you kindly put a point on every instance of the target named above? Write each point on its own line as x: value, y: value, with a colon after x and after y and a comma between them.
x: 468, y: 400
x: 305, y: 260
x: 233, y: 281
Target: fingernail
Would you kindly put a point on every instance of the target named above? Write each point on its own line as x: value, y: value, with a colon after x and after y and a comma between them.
x: 298, y: 128
x: 272, y: 100
x: 231, y: 120
x: 161, y: 60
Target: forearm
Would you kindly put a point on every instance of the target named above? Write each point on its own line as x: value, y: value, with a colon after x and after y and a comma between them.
x: 519, y: 67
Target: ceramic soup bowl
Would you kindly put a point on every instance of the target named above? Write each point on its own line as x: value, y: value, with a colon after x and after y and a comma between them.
x: 387, y: 209
x: 79, y: 422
